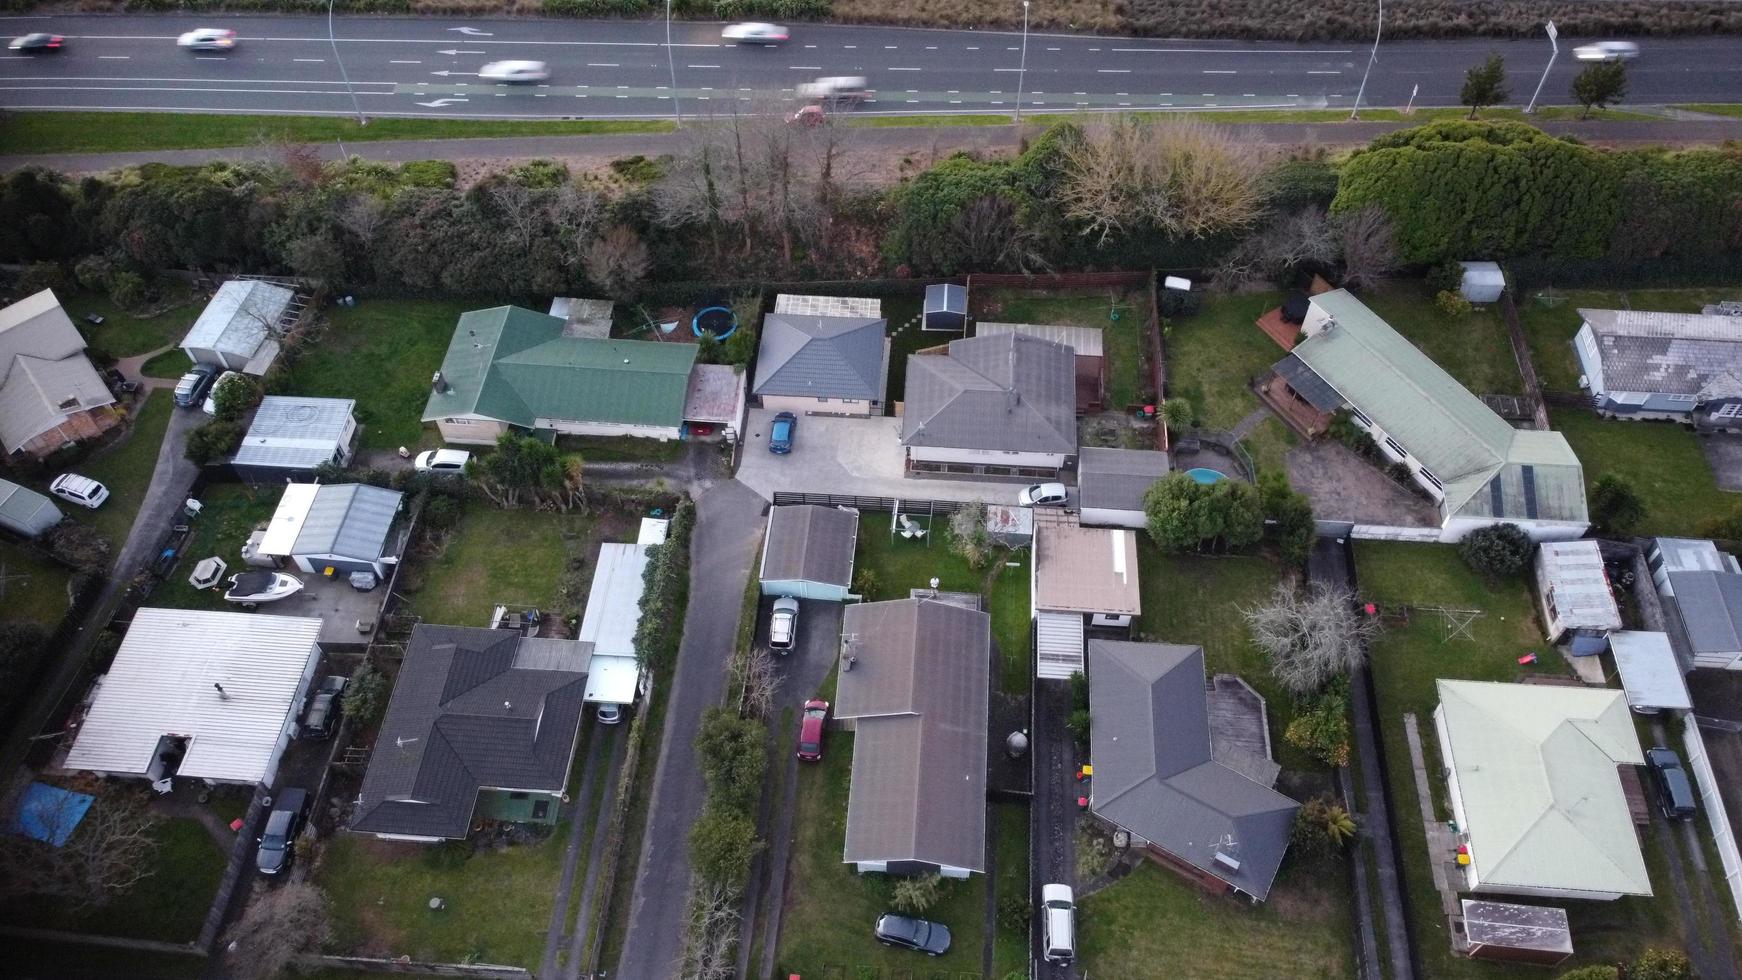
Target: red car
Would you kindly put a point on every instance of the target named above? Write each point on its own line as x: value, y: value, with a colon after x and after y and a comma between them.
x: 810, y: 731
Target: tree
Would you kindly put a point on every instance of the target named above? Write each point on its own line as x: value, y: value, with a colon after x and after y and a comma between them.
x: 916, y: 895
x: 366, y: 695
x: 1310, y: 637
x: 968, y: 535
x: 213, y: 442
x: 1599, y: 85
x: 1321, y: 827
x: 1484, y: 85
x: 1290, y: 516
x: 753, y: 672
x: 523, y: 467
x: 1658, y: 963
x: 1498, y: 551
x: 1601, y: 971
x: 722, y: 845
x: 733, y: 759
x: 1184, y: 514
x: 233, y: 396
x: 108, y: 852
x: 1615, y: 507
x: 1303, y: 240
x: 712, y: 935
x: 1368, y: 243
x: 617, y: 262
x: 281, y: 924
x: 79, y: 545
x: 21, y: 648
x: 1179, y: 176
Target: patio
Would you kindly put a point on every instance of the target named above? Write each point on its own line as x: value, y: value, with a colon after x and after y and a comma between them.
x: 1345, y: 487
x: 340, y: 608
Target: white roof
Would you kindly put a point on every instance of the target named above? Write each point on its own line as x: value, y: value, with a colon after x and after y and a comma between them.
x: 614, y: 602
x: 1536, y: 769
x: 854, y: 306
x: 653, y: 531
x: 1649, y: 670
x: 296, y: 433
x: 239, y: 318
x: 611, y: 680
x: 165, y: 681
x: 287, y: 520
x: 1573, y: 570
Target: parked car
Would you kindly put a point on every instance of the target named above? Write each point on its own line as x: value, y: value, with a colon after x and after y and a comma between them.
x: 932, y: 938
x: 810, y: 731
x: 1607, y: 51
x: 325, y: 707
x: 610, y: 714
x: 37, y: 42
x: 278, y: 841
x: 783, y: 624
x: 752, y: 32
x: 81, y: 490
x: 838, y: 90
x: 515, y: 71
x: 208, y: 39
x: 781, y: 433
x: 210, y: 406
x: 192, y: 387
x: 1059, y: 927
x: 1675, y: 794
x: 442, y: 461
x: 1043, y: 495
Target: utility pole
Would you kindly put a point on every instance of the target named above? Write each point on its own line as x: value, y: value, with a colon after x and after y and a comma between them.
x: 1022, y: 72
x: 1355, y: 113
x: 333, y: 38
x: 672, y: 64
x: 1554, y: 52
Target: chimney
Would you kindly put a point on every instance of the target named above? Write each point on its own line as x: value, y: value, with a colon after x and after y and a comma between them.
x: 438, y: 383
x: 223, y: 695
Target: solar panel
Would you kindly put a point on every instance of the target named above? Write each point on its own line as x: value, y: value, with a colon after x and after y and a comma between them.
x: 1529, y: 473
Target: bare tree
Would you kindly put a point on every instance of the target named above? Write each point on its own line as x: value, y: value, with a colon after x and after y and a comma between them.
x: 713, y: 933
x: 1310, y: 637
x: 522, y: 210
x: 968, y: 535
x: 109, y: 851
x: 1180, y: 176
x: 1301, y: 238
x: 281, y: 924
x: 988, y: 233
x: 754, y: 673
x: 574, y: 215
x: 1369, y: 246
x: 617, y: 262
x: 361, y: 216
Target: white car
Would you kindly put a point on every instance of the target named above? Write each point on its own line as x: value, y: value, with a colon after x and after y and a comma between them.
x: 754, y: 33
x: 210, y: 407
x: 442, y: 461
x: 81, y: 490
x: 1607, y: 51
x: 840, y: 90
x: 514, y: 71
x: 1043, y: 495
x: 783, y: 624
x: 1059, y: 940
x: 208, y: 39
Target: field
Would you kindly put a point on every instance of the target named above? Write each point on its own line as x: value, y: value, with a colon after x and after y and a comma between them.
x: 1550, y: 329
x: 1663, y: 462
x: 32, y: 589
x: 497, y: 556
x: 1123, y: 341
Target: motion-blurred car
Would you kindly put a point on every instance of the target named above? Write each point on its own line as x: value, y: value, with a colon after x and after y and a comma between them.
x: 754, y: 33
x: 37, y: 42
x: 810, y: 731
x: 837, y: 90
x: 808, y: 116
x: 1607, y: 51
x: 208, y: 39
x: 514, y: 72
x: 81, y: 490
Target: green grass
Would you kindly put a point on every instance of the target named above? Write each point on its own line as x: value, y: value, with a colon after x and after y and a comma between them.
x: 830, y: 908
x: 1213, y: 356
x: 1123, y: 341
x: 101, y: 132
x: 169, y: 364
x: 1155, y: 923
x: 126, y: 470
x: 905, y: 337
x: 880, y: 122
x: 496, y: 556
x: 1269, y: 445
x: 126, y: 334
x: 1473, y: 349
x: 30, y: 957
x: 616, y: 449
x: 382, y: 353
x: 1008, y: 604
x: 1010, y: 851
x: 1715, y: 108
x: 1663, y: 462
x: 1550, y: 329
x: 32, y: 589
x: 232, y: 511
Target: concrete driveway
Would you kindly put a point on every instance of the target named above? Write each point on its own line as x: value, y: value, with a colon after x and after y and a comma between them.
x: 1345, y: 487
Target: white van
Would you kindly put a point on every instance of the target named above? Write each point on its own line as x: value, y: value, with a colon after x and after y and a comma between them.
x: 1059, y: 925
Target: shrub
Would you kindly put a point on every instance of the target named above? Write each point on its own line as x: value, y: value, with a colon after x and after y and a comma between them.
x: 1615, y: 507
x: 39, y: 276
x: 917, y: 895
x: 865, y: 582
x: 731, y: 754
x: 1178, y: 414
x: 1321, y: 827
x: 366, y: 695
x: 22, y: 646
x: 1452, y: 303
x: 1446, y: 277
x: 1178, y: 303
x: 1080, y: 725
x: 441, y: 513
x: 1289, y: 516
x: 539, y: 174
x: 1321, y: 729
x: 128, y: 290
x: 440, y: 174
x: 722, y: 845
x: 213, y: 442
x: 1498, y: 551
x: 1597, y: 972
x: 93, y: 272
x: 637, y: 169
x: 1183, y: 514
x: 233, y: 396
x: 1657, y: 963
x: 968, y: 535
x: 1014, y: 912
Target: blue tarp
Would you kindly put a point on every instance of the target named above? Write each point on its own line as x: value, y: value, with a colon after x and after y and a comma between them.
x: 49, y: 813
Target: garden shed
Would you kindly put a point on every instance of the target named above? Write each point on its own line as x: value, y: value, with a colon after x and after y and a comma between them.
x: 946, y: 307
x: 1483, y: 282
x: 1519, y: 933
x: 25, y: 511
x: 291, y: 436
x: 1574, y: 590
x: 239, y: 328
x: 808, y: 552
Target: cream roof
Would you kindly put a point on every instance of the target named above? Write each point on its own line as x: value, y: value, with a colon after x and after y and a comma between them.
x: 1085, y: 569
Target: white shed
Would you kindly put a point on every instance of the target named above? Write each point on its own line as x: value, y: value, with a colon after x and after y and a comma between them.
x: 1483, y: 282
x: 1575, y: 595
x: 1649, y: 671
x: 25, y: 511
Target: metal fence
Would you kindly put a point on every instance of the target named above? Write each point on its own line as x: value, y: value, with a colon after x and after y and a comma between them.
x: 1716, y: 815
x: 783, y: 499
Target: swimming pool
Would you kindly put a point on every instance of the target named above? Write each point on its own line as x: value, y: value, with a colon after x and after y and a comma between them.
x: 1205, y: 476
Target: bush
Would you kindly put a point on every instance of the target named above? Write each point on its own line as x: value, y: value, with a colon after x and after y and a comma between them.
x: 1598, y: 972
x: 1452, y: 303
x: 1178, y: 303
x: 1080, y: 725
x: 366, y: 695
x: 1321, y: 729
x: 722, y: 845
x: 968, y: 535
x: 733, y: 758
x: 865, y: 582
x: 1289, y: 516
x: 213, y: 442
x: 540, y: 174
x: 93, y: 272
x: 1446, y: 277
x: 1321, y: 827
x: 1183, y: 514
x: 22, y: 646
x: 1498, y: 551
x: 916, y: 895
x: 233, y: 396
x: 440, y: 174
x: 1178, y: 414
x: 1014, y: 912
x: 39, y: 276
x: 129, y: 290
x: 1661, y: 964
x: 1615, y: 507
x: 441, y: 513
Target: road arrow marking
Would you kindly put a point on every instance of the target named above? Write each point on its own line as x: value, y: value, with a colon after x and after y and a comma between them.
x: 437, y: 104
x: 445, y: 73
x: 457, y: 51
x: 471, y: 32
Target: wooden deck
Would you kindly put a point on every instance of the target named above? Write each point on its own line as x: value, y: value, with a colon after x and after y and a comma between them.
x: 1638, y: 807
x: 1296, y: 414
x: 1276, y: 328
x: 1239, y: 730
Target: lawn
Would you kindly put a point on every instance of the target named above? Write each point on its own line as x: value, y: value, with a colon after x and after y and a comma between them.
x: 618, y: 449
x: 1269, y: 444
x: 1123, y: 341
x: 1010, y: 851
x: 496, y: 556
x: 1213, y: 356
x: 1715, y: 108
x: 1550, y: 328
x: 231, y: 512
x: 1153, y: 918
x: 1663, y: 462
x: 382, y: 353
x: 1473, y: 349
x: 905, y: 337
x: 126, y: 334
x: 126, y: 469
x: 32, y: 589
x: 169, y: 364
x: 830, y: 909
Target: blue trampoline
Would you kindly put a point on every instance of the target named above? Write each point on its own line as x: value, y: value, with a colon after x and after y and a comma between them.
x: 717, y: 320
x: 49, y: 813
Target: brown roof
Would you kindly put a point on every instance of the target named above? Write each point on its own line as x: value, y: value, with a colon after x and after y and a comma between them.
x: 1085, y: 569
x: 809, y: 543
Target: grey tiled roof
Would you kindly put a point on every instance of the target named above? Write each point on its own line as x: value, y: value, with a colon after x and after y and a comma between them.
x: 811, y: 544
x: 1668, y: 353
x: 1156, y: 775
x: 821, y: 356
x: 351, y: 520
x: 1710, y: 604
x: 1116, y: 479
x: 463, y: 717
x: 1004, y: 393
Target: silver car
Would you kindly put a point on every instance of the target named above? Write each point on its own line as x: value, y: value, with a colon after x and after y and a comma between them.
x: 783, y: 624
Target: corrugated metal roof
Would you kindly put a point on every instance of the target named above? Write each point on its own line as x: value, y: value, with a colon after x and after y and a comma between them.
x: 239, y: 318
x: 1004, y: 393
x: 1307, y: 384
x: 1117, y: 479
x: 1537, y: 927
x: 1535, y: 767
x: 1058, y: 644
x: 1571, y: 572
x: 808, y: 543
x: 614, y: 599
x: 1691, y: 555
x: 165, y: 681
x: 863, y: 307
x: 1085, y: 569
x: 290, y: 432
x: 1649, y: 670
x: 1710, y: 604
x: 822, y: 357
x: 1084, y: 341
x: 1667, y: 353
x: 351, y: 520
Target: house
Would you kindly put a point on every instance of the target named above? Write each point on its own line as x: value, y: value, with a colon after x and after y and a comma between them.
x: 609, y: 623
x: 511, y: 368
x: 1477, y: 469
x: 1085, y: 342
x: 1650, y: 673
x: 291, y: 436
x: 914, y: 688
x: 482, y: 725
x: 239, y: 328
x: 1573, y: 589
x: 1078, y: 574
x: 808, y: 552
x: 1535, y: 791
x: 1002, y: 405
x: 344, y: 527
x: 837, y: 365
x: 1111, y: 484
x: 1701, y: 588
x: 1686, y: 367
x: 945, y: 308
x: 26, y: 512
x: 50, y: 394
x: 1184, y: 771
x: 213, y: 696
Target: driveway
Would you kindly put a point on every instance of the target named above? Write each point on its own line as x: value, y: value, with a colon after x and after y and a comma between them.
x: 1724, y: 455
x: 1346, y: 487
x: 1053, y: 817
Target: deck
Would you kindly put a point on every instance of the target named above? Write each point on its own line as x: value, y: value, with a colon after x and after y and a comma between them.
x: 1239, y: 731
x: 1285, y: 334
x: 1295, y: 413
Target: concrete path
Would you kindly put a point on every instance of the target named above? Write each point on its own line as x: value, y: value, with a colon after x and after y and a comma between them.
x: 130, y: 369
x: 1253, y: 420
x: 579, y: 827
x: 581, y: 953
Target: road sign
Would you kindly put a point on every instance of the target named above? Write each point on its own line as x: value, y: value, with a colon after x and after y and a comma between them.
x: 1553, y: 35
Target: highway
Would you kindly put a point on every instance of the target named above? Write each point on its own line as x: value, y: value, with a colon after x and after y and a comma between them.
x: 604, y: 69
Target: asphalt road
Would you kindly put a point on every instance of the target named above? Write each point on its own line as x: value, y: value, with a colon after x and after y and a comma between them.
x: 428, y: 66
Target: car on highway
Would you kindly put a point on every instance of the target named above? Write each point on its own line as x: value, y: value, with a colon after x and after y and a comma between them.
x: 81, y: 490
x: 37, y: 42
x: 836, y: 90
x: 752, y: 32
x: 207, y: 39
x: 1607, y: 51
x: 278, y: 841
x: 1043, y: 495
x: 810, y: 731
x: 442, y: 461
x: 783, y: 624
x: 932, y: 938
x: 191, y: 389
x: 513, y: 72
x: 809, y: 116
x: 781, y: 433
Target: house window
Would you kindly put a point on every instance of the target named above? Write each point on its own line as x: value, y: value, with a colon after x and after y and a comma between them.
x: 849, y: 401
x: 1399, y: 450
x: 1728, y: 410
x: 517, y: 796
x: 1684, y: 398
x: 541, y: 810
x: 1548, y: 600
x: 1364, y: 420
x: 821, y: 401
x: 1429, y: 477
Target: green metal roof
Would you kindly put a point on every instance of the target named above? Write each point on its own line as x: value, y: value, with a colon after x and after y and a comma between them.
x: 515, y: 365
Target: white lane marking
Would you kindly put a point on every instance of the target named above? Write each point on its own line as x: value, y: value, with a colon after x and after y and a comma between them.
x: 889, y: 47
x: 471, y: 32
x: 1324, y: 73
x: 445, y: 73
x: 1291, y: 95
x: 113, y: 57
x: 810, y: 45
x: 457, y: 51
x: 314, y: 61
x: 1219, y: 71
x: 904, y: 69
x: 1113, y: 71
x: 405, y: 62
x: 972, y: 48
x: 703, y: 66
x: 931, y: 47
x: 1006, y: 69
x: 603, y: 64
x: 1208, y: 95
x: 1052, y: 49
x: 1249, y: 95
x: 850, y: 47
x: 210, y: 57
x: 1013, y: 48
x: 1094, y: 49
x: 413, y: 40
x: 802, y: 68
x: 1267, y: 52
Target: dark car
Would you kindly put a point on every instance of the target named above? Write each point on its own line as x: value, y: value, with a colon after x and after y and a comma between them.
x: 781, y: 433
x: 191, y: 389
x: 810, y: 731
x: 278, y: 841
x: 1675, y: 794
x: 324, y: 708
x: 931, y: 938
x: 37, y: 42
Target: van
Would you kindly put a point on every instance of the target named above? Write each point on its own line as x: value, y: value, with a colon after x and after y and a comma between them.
x: 1059, y: 925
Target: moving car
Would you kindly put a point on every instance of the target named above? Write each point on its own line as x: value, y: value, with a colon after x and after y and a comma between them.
x: 1675, y: 794
x: 278, y: 841
x: 928, y: 937
x: 81, y: 490
x: 1043, y: 495
x: 514, y: 71
x: 208, y: 39
x: 781, y: 433
x: 192, y: 387
x: 808, y: 116
x: 37, y: 42
x: 783, y: 624
x: 324, y: 707
x: 442, y: 461
x: 1607, y: 51
x: 1059, y: 927
x: 250, y: 589
x: 836, y: 90
x: 810, y: 731
x: 752, y: 32
x: 210, y: 407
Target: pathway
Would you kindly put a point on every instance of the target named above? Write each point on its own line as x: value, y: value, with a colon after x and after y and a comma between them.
x: 1705, y: 922
x: 580, y: 951
x: 1253, y: 420
x: 580, y: 824
x: 130, y: 368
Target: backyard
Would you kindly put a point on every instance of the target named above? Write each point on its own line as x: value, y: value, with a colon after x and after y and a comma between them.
x: 230, y: 513
x: 1212, y: 357
x: 1123, y: 342
x: 32, y: 589
x: 518, y: 557
x: 128, y: 334
x: 1662, y: 460
x: 1474, y: 348
x: 1551, y: 321
x: 126, y: 469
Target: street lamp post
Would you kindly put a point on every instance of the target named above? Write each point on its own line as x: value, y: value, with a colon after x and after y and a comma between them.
x: 1355, y: 113
x: 1554, y: 51
x: 671, y: 63
x: 1022, y: 72
x: 362, y: 120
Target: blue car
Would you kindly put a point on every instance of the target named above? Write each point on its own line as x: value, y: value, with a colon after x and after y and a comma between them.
x: 780, y: 434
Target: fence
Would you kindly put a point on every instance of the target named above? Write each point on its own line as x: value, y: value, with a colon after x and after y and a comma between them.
x: 1521, y: 354
x: 783, y: 498
x: 367, y: 964
x: 1707, y: 780
x: 1057, y: 280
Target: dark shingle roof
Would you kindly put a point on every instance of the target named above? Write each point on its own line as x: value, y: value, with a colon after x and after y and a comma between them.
x: 808, y: 543
x: 1116, y: 479
x: 463, y: 717
x: 1005, y: 392
x: 821, y: 357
